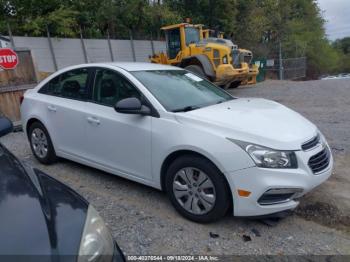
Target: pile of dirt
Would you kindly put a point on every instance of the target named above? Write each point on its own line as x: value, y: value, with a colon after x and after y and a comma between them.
x: 325, y: 214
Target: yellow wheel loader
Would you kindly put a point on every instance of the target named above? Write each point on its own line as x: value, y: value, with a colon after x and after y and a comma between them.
x: 206, y: 33
x: 240, y: 55
x: 247, y: 56
x: 214, y: 61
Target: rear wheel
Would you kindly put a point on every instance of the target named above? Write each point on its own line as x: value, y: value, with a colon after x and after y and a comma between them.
x: 40, y: 143
x: 197, y: 189
x: 197, y: 70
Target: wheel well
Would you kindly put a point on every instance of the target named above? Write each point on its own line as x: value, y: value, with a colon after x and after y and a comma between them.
x: 191, y: 61
x: 202, y: 61
x: 170, y: 158
x: 30, y: 122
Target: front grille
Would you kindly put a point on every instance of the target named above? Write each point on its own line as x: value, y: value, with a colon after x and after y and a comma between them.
x: 247, y: 59
x: 320, y: 161
x: 311, y: 143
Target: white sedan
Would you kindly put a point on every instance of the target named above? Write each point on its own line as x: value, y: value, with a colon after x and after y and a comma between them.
x: 165, y: 127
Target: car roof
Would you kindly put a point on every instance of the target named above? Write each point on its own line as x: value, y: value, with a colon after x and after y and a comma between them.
x: 139, y: 66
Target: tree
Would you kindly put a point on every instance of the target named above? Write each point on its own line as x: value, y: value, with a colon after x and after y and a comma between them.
x: 343, y: 48
x: 33, y: 16
x: 258, y: 25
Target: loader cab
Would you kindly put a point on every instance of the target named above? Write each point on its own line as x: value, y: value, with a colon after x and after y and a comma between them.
x: 179, y: 37
x: 173, y: 42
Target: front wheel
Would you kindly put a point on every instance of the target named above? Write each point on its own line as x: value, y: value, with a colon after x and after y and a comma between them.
x: 197, y: 189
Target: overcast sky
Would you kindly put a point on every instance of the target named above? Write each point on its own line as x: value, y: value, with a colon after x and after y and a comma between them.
x: 337, y: 15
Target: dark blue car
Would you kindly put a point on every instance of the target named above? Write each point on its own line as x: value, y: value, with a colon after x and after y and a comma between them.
x: 42, y: 219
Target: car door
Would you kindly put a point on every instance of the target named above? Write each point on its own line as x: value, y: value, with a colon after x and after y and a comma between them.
x: 64, y: 104
x: 121, y: 143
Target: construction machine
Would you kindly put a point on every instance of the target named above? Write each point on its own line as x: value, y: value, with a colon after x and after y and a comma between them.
x: 247, y: 56
x: 206, y: 33
x: 240, y: 55
x: 185, y: 48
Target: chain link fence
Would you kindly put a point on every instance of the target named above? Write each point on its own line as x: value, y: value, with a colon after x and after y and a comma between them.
x: 294, y: 68
x: 290, y: 69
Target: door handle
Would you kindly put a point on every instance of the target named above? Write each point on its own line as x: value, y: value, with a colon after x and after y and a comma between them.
x: 93, y: 120
x: 52, y: 108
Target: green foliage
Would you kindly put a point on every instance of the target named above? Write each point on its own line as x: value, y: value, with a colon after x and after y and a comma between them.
x: 60, y: 22
x: 343, y: 48
x: 343, y: 45
x: 259, y: 25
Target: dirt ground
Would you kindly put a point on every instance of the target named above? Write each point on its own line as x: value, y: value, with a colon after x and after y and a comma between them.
x: 143, y: 221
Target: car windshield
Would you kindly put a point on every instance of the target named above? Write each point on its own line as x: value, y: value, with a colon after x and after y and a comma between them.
x: 180, y: 90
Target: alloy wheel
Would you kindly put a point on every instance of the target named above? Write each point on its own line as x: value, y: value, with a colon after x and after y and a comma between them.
x: 39, y: 143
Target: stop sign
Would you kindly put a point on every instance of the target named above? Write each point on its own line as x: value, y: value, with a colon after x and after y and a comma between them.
x: 8, y: 58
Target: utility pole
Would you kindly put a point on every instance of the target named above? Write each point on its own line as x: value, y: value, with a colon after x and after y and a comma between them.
x: 52, y: 51
x: 132, y: 45
x: 83, y: 46
x: 110, y: 46
x: 10, y: 35
x: 280, y: 61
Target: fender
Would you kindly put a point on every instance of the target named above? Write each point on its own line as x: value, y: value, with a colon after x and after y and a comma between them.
x: 204, y: 61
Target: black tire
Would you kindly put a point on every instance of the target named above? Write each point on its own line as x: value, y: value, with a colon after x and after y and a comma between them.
x: 50, y: 156
x: 235, y: 84
x: 223, y: 199
x: 197, y: 70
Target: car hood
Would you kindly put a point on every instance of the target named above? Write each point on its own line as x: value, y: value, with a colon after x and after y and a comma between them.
x: 254, y: 120
x: 39, y: 215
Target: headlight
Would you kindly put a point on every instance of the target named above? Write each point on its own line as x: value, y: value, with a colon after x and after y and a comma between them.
x: 96, y: 243
x: 267, y: 157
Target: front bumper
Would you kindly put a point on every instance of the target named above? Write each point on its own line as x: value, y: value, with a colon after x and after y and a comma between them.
x: 259, y: 180
x: 226, y: 73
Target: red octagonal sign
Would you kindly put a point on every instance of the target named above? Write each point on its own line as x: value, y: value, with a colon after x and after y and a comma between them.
x: 8, y: 58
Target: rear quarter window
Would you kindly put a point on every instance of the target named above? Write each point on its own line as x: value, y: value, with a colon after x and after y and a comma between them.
x: 72, y: 84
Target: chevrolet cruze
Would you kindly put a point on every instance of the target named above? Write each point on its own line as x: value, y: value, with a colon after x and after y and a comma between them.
x: 168, y: 128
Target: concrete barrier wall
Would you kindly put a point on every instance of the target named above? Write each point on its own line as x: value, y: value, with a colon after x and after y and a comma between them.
x: 69, y: 51
x: 122, y: 50
x: 40, y: 51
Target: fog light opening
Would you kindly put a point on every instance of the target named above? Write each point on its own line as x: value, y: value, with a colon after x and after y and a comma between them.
x: 279, y: 195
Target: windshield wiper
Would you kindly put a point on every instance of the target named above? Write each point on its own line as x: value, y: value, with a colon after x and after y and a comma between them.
x: 186, y: 109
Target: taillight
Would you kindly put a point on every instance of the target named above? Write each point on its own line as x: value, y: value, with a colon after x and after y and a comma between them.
x: 21, y: 99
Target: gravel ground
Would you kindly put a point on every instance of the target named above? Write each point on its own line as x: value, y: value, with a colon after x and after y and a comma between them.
x: 144, y: 222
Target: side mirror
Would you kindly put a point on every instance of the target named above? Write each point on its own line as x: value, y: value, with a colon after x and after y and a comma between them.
x: 132, y: 105
x: 5, y: 126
